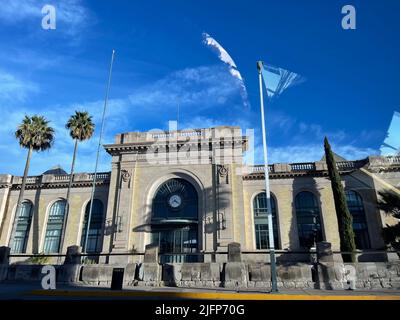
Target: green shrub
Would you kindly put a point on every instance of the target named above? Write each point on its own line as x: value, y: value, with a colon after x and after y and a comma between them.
x: 39, y: 259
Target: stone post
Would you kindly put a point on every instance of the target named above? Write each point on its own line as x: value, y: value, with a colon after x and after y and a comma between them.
x: 329, y: 272
x: 4, y: 262
x: 70, y: 269
x: 73, y: 255
x: 324, y: 252
x: 151, y: 254
x: 234, y: 252
x: 235, y: 274
x: 150, y: 271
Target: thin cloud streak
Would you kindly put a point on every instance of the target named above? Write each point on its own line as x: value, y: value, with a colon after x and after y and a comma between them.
x: 224, y: 56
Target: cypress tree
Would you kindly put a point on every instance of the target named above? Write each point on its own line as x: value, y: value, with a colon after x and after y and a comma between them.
x: 344, y: 218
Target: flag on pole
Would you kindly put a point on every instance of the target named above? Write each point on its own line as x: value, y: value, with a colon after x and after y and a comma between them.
x: 277, y: 80
x: 391, y: 145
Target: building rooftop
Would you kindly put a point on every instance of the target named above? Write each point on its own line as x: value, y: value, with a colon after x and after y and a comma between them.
x: 55, y: 170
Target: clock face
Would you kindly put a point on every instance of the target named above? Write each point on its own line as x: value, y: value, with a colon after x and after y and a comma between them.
x: 175, y: 201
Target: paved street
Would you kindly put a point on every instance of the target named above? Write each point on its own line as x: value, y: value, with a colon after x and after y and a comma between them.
x: 33, y: 291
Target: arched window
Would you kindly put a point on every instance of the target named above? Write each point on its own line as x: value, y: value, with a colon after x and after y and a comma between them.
x: 175, y: 199
x: 96, y: 224
x: 261, y: 221
x: 360, y: 228
x: 174, y: 222
x: 54, y: 229
x: 23, y: 221
x: 308, y: 219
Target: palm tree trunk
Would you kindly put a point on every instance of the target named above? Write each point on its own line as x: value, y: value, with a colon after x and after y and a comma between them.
x: 67, y: 206
x: 21, y: 195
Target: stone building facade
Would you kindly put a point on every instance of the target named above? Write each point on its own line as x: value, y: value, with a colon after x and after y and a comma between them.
x: 188, y: 192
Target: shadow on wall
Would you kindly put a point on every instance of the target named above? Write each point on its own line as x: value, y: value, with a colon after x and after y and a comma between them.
x: 365, y: 186
x: 35, y: 223
x: 300, y: 184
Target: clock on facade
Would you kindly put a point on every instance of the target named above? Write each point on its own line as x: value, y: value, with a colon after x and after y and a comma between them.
x: 175, y: 201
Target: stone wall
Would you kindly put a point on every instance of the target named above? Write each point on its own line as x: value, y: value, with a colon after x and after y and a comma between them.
x: 365, y: 275
x: 328, y: 273
x: 237, y: 275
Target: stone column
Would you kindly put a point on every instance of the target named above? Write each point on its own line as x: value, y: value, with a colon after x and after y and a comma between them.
x: 110, y: 227
x: 4, y: 262
x: 5, y: 180
x: 123, y: 212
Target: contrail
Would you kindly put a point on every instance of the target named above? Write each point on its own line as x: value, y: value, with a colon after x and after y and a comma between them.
x: 224, y: 56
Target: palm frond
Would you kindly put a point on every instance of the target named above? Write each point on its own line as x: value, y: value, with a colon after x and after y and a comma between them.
x: 80, y: 126
x: 34, y: 132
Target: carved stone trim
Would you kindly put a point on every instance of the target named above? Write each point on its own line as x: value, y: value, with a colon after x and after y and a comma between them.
x: 223, y: 174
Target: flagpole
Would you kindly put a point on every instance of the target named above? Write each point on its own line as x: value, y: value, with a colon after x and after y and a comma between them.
x: 274, y: 286
x: 98, y: 151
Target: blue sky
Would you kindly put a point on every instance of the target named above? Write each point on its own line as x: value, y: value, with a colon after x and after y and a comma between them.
x: 351, y: 91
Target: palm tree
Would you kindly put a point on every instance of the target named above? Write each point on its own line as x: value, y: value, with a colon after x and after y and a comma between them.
x: 34, y: 134
x: 81, y: 127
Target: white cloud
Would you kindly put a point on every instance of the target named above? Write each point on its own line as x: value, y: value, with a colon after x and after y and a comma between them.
x: 70, y: 14
x: 309, y: 153
x: 202, y: 87
x: 13, y: 89
x: 204, y: 122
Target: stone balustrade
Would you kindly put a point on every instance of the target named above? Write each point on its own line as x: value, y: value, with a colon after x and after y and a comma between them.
x: 102, y: 177
x: 309, y: 167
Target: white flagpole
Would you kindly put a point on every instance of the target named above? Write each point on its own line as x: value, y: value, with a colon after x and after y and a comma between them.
x: 98, y: 152
x: 274, y: 286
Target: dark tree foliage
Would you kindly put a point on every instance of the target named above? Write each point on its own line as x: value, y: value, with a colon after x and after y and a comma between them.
x: 344, y: 217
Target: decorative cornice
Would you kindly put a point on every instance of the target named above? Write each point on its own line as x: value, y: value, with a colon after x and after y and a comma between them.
x: 166, y: 146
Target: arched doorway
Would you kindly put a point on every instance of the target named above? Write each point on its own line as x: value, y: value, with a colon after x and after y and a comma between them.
x: 174, y: 221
